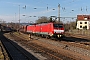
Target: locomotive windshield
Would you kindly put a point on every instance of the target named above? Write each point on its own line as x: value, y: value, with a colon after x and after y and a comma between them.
x: 58, y: 25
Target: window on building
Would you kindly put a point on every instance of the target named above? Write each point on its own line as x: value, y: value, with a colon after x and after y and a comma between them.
x: 80, y: 26
x: 85, y: 22
x: 85, y: 27
x: 80, y: 22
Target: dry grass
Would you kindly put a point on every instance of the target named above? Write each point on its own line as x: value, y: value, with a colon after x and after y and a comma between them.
x: 80, y: 32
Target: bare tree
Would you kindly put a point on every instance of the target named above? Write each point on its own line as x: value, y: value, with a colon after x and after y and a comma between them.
x: 70, y: 26
x: 42, y: 19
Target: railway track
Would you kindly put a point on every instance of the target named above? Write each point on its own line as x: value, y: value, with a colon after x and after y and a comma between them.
x: 50, y: 54
x: 44, y: 51
x: 3, y: 53
x: 15, y: 52
x: 77, y: 45
x: 81, y: 46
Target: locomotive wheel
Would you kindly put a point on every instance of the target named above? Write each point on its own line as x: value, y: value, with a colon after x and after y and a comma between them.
x: 47, y: 37
x: 42, y: 36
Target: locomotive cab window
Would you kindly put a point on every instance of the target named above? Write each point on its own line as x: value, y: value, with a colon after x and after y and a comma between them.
x: 58, y: 25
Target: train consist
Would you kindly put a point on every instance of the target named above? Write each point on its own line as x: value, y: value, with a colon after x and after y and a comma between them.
x: 47, y: 30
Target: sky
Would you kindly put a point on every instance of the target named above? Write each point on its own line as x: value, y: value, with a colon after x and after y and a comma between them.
x: 25, y: 10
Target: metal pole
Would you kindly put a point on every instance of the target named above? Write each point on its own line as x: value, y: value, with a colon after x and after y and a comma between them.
x: 15, y: 16
x: 58, y: 12
x: 19, y: 20
x: 19, y: 14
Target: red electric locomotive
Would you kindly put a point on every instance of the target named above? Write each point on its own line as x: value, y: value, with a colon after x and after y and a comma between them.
x: 30, y: 28
x: 47, y: 29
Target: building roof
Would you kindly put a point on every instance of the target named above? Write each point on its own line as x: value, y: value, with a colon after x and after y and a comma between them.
x: 83, y: 17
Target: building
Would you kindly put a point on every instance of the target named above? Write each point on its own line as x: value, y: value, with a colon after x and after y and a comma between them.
x: 83, y: 22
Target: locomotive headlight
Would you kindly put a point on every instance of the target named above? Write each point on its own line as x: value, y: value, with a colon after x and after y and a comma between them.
x: 58, y: 35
